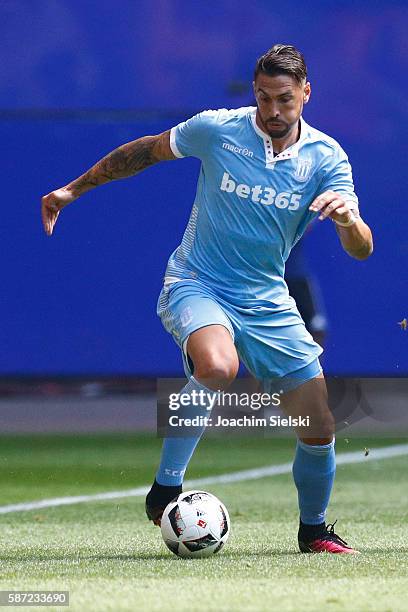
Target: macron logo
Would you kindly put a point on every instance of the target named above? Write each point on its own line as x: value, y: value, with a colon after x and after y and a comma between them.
x: 239, y: 150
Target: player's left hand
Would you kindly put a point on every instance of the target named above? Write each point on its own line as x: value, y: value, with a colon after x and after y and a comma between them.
x: 333, y: 205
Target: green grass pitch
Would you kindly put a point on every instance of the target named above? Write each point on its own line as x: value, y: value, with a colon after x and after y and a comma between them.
x: 110, y: 558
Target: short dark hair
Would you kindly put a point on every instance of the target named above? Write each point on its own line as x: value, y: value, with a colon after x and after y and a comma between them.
x: 282, y: 59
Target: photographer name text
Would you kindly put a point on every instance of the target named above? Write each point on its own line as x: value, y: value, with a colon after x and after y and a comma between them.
x: 244, y: 421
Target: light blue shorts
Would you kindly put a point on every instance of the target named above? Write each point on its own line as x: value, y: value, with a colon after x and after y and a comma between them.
x: 274, y: 346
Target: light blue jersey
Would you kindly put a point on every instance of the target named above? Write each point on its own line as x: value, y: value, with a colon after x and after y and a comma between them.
x: 251, y: 207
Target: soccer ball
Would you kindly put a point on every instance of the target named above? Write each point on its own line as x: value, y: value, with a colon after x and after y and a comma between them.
x: 195, y: 524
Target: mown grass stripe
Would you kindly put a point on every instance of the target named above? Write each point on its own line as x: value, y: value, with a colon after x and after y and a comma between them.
x: 396, y: 450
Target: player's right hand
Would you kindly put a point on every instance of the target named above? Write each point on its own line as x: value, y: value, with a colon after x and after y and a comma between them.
x: 52, y: 204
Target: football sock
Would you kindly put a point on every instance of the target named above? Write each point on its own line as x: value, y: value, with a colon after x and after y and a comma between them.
x: 314, y: 468
x: 177, y: 452
x: 308, y: 533
x: 160, y: 495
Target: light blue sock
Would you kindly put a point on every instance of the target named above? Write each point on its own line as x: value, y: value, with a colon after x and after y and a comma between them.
x: 177, y: 452
x: 314, y: 468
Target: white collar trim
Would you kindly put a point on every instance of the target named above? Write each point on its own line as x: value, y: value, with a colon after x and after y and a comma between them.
x: 289, y: 153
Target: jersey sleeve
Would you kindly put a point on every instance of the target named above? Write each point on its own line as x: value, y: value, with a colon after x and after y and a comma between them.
x: 338, y: 177
x: 193, y: 137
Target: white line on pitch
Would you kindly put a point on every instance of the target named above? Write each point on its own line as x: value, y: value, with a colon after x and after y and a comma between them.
x: 397, y: 450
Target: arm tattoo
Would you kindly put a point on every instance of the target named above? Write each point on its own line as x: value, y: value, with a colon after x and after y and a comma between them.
x: 126, y: 160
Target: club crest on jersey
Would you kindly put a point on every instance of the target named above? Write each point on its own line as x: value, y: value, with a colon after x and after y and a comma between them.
x: 304, y: 167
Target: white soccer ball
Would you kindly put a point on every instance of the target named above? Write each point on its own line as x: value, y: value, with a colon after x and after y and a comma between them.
x: 195, y: 524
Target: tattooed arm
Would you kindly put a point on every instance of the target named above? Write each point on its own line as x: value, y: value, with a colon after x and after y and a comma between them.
x: 127, y: 160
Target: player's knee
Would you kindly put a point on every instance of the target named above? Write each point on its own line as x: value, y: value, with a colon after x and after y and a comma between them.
x: 321, y: 429
x: 325, y: 424
x: 216, y: 371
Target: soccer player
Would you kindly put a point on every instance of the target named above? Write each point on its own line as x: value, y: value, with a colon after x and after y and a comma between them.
x: 265, y: 174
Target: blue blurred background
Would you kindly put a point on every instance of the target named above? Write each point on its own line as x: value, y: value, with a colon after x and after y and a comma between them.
x: 79, y: 78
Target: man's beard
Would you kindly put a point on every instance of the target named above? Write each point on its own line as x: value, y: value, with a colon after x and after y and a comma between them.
x: 277, y: 131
